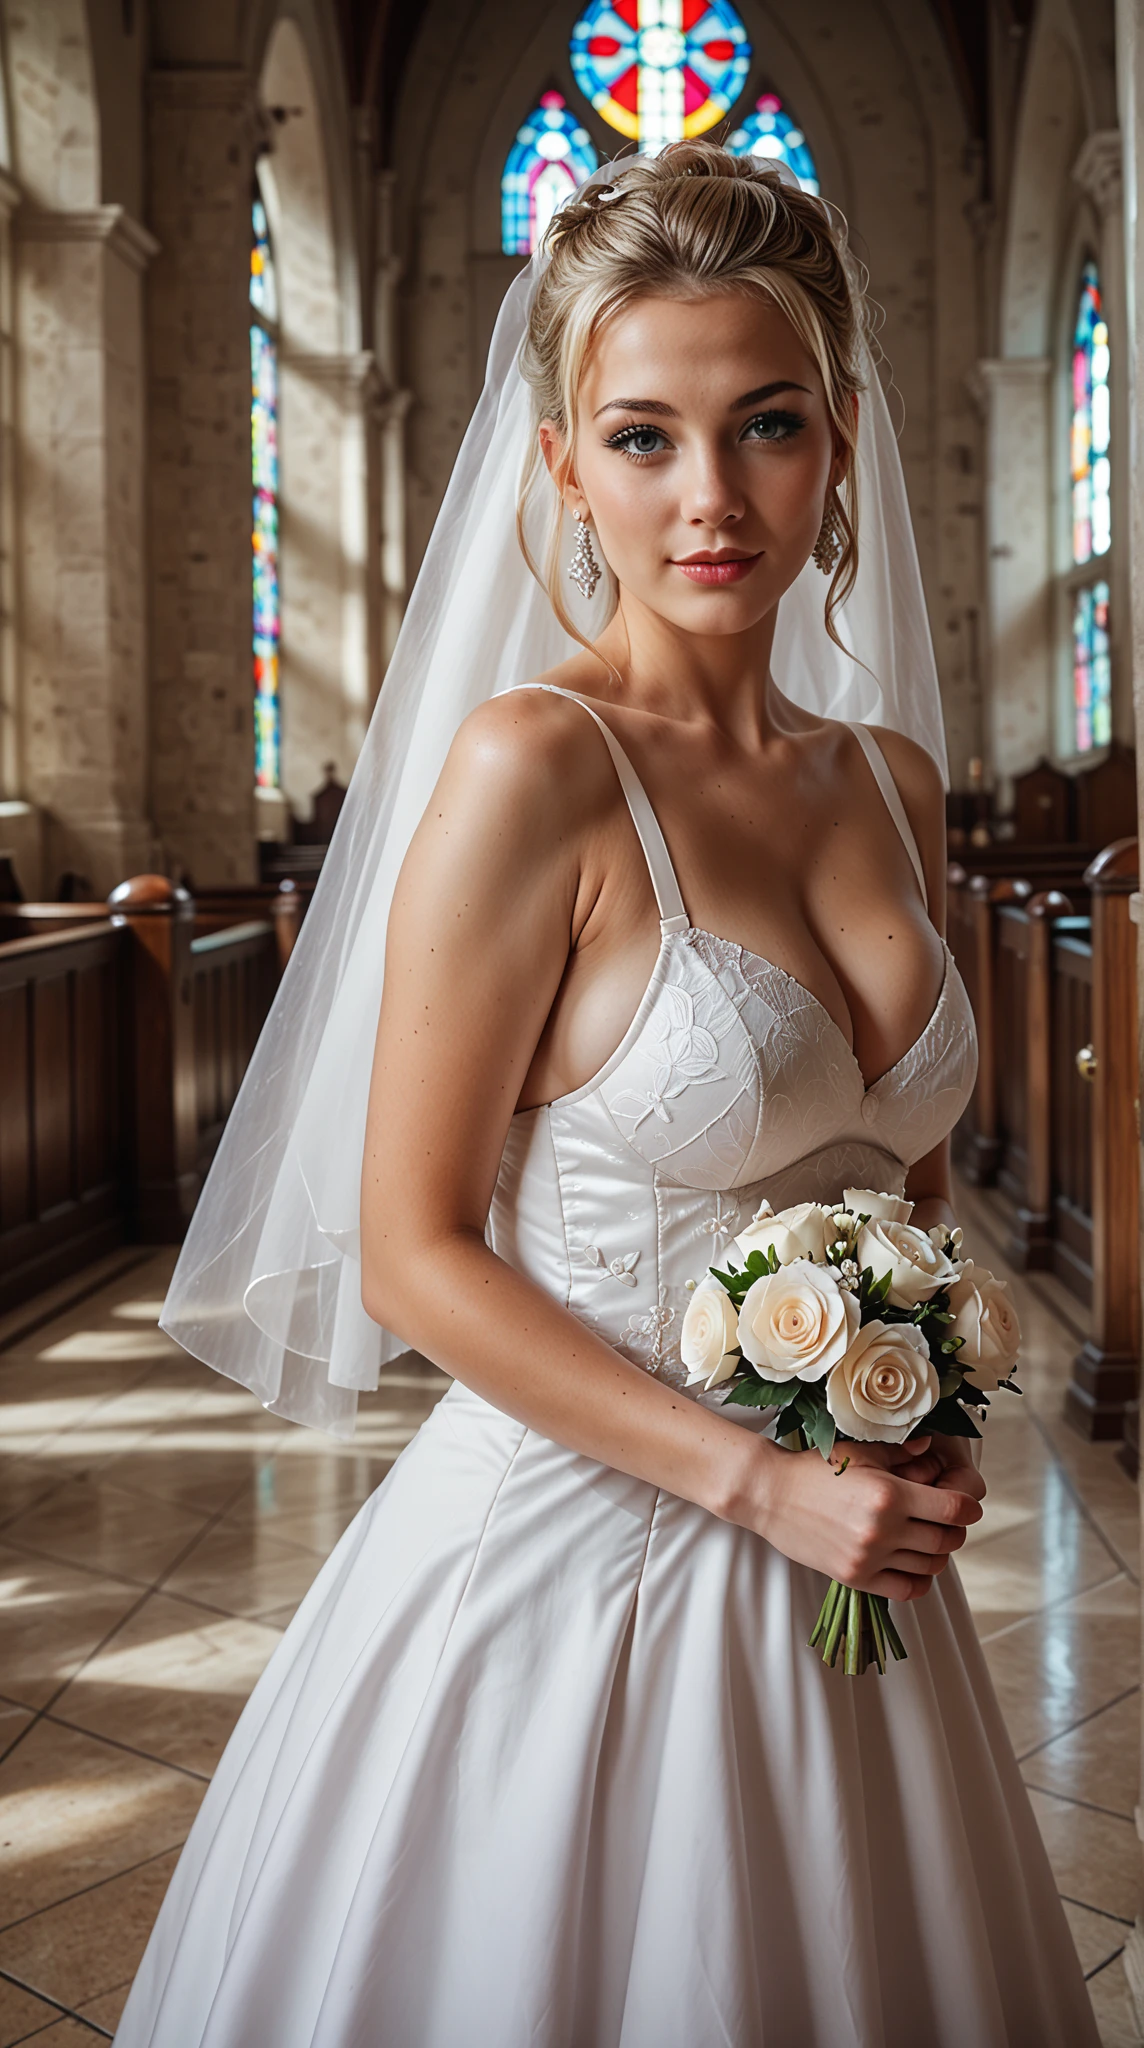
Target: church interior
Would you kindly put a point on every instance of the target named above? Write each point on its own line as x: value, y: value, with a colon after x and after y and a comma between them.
x: 251, y: 254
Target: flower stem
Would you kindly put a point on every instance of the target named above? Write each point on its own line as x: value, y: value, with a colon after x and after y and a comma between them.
x: 858, y: 1625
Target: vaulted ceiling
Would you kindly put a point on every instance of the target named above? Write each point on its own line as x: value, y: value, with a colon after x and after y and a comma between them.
x: 378, y: 35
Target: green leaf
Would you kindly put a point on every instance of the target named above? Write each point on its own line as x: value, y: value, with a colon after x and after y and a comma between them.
x: 756, y: 1264
x: 947, y: 1417
x: 822, y: 1430
x: 748, y: 1394
x: 774, y: 1258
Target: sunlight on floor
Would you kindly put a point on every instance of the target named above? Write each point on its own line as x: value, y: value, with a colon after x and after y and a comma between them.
x: 158, y: 1529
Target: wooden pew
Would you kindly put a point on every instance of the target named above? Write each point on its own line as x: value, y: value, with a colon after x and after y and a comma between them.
x: 1106, y: 1371
x: 64, y: 1167
x: 126, y: 1031
x: 198, y: 1002
x: 973, y: 904
x: 1053, y: 1122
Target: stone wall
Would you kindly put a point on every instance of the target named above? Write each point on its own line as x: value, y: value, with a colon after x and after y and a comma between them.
x: 203, y: 132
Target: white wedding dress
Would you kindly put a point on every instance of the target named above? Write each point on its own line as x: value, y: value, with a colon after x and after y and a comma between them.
x: 543, y: 1760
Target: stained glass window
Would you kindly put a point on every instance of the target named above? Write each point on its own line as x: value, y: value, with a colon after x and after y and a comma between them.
x: 770, y: 132
x: 1092, y: 668
x: 1091, y: 474
x: 1091, y: 505
x: 660, y: 70
x: 551, y: 156
x: 264, y: 477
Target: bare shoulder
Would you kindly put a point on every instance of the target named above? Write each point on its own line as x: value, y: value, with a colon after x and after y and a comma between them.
x: 526, y: 781
x: 534, y: 751
x: 912, y: 766
x: 919, y: 784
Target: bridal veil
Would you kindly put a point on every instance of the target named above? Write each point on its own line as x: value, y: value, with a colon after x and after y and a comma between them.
x: 268, y: 1285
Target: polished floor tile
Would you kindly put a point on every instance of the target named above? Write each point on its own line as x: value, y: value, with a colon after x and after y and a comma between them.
x: 104, y: 1528
x: 171, y: 1682
x: 88, y: 1945
x: 243, y: 1570
x: 1112, y: 2004
x: 1091, y: 1761
x: 75, y: 1810
x: 52, y: 1616
x: 21, y: 2014
x: 1095, y: 1856
x: 1053, y: 1669
x: 1098, y: 1936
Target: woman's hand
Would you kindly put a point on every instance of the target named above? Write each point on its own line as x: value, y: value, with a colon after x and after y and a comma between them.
x: 945, y: 1462
x: 867, y: 1525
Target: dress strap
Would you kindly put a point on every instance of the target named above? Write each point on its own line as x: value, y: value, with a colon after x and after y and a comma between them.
x: 880, y: 769
x: 672, y: 915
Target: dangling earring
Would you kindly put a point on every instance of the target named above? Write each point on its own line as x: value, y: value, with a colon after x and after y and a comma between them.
x: 828, y: 546
x: 584, y: 569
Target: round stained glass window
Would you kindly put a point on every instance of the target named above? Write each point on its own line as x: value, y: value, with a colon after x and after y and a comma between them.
x: 660, y: 70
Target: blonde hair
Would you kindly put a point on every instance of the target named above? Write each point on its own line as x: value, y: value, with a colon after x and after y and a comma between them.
x: 691, y: 222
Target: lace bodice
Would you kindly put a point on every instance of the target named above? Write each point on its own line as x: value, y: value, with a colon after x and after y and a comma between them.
x: 731, y: 1083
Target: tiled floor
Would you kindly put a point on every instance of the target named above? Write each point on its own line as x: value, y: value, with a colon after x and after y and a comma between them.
x: 157, y: 1530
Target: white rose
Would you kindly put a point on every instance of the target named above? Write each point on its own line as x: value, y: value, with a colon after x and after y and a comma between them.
x: 879, y: 1208
x: 985, y: 1317
x: 708, y: 1336
x: 885, y: 1384
x: 918, y: 1269
x: 798, y: 1233
x: 796, y: 1323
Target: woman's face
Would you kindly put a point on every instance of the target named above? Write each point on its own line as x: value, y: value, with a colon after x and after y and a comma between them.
x: 703, y: 456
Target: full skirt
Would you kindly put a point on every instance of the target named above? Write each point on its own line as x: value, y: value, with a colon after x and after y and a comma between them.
x: 543, y: 1761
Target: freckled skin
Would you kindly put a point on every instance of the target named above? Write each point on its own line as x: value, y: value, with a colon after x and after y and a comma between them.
x: 517, y: 991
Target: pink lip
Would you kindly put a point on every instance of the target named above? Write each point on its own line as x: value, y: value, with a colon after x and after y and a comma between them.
x: 718, y: 568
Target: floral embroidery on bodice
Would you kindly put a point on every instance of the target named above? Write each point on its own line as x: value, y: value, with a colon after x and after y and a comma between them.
x: 731, y: 1083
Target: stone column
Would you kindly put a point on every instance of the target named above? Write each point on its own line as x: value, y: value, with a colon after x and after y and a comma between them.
x: 1130, y: 90
x: 1099, y: 173
x: 202, y: 129
x: 1014, y: 395
x: 79, y: 438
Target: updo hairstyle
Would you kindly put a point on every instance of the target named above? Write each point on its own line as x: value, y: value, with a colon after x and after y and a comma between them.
x: 693, y: 221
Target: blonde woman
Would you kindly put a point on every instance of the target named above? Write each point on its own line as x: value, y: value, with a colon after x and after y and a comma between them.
x: 544, y: 1761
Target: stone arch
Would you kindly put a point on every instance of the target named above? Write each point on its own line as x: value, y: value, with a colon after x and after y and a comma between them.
x: 1050, y: 131
x: 1063, y: 192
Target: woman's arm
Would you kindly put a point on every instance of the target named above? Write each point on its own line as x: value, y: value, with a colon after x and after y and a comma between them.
x: 495, y: 889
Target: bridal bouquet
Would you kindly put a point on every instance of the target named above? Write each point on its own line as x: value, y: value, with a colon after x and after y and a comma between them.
x: 858, y: 1327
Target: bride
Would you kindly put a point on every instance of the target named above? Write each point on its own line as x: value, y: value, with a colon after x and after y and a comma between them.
x: 543, y: 1760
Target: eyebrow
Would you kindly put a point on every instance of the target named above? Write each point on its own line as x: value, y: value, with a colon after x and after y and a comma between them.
x: 668, y: 412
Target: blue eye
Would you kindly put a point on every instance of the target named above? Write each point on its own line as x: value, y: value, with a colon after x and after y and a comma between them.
x: 634, y: 442
x: 776, y: 426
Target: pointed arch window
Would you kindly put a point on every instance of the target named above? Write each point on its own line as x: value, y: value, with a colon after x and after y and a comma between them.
x: 770, y: 131
x: 551, y: 156
x: 264, y: 488
x: 1090, y: 500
